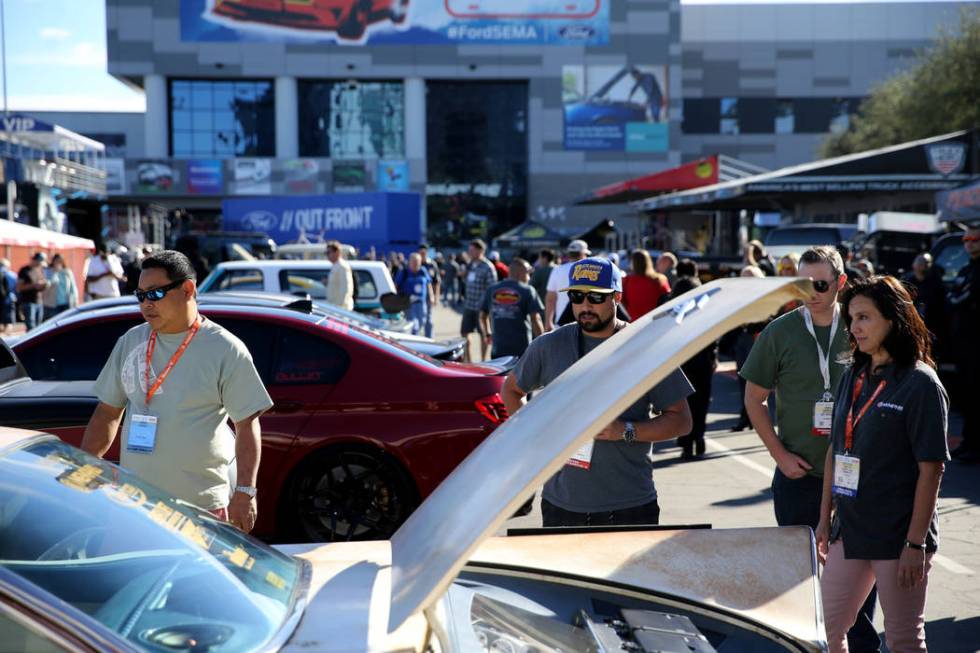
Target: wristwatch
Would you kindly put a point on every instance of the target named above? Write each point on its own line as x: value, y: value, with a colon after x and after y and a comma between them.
x: 247, y: 490
x: 909, y: 544
x: 629, y: 433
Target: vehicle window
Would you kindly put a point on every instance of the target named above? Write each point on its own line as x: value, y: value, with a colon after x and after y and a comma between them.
x: 74, y: 354
x: 151, y: 568
x: 312, y: 282
x: 305, y: 358
x: 259, y: 339
x: 365, y: 284
x: 951, y: 258
x: 238, y: 280
x: 803, y: 237
x: 17, y: 637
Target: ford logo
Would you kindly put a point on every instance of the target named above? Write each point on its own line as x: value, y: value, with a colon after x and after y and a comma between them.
x: 260, y: 221
x: 576, y: 32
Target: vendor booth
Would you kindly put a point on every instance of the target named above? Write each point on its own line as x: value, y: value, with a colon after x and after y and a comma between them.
x: 19, y: 242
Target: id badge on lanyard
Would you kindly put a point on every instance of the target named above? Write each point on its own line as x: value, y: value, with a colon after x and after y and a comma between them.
x: 142, y: 434
x: 847, y: 472
x: 823, y: 410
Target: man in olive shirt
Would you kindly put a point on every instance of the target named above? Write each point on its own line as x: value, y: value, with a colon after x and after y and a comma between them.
x: 802, y: 355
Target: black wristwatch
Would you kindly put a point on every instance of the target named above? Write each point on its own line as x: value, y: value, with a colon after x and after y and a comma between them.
x: 629, y: 433
x: 909, y: 544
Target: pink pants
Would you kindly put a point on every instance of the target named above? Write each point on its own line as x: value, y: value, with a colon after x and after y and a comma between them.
x: 845, y: 585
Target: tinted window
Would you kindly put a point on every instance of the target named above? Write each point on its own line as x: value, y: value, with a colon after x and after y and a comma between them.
x: 365, y: 284
x: 238, y: 280
x: 305, y: 358
x: 302, y: 282
x: 259, y: 339
x: 17, y: 637
x: 74, y: 354
x: 701, y: 116
x: 757, y: 115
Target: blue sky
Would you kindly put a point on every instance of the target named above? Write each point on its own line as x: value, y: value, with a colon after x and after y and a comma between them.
x: 56, y: 56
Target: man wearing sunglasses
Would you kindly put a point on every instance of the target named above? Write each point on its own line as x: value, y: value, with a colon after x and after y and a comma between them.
x: 173, y: 383
x: 802, y: 356
x: 610, y: 480
x: 964, y: 299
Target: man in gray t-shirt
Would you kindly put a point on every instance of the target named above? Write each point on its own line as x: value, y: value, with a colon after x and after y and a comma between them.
x: 512, y: 312
x: 609, y: 481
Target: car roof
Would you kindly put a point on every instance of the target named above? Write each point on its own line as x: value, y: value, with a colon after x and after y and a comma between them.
x: 278, y: 264
x: 537, y: 440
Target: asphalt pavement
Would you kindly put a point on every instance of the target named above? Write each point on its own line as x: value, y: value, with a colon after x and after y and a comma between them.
x: 729, y: 488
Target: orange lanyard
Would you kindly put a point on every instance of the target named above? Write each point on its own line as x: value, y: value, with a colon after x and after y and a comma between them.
x: 151, y: 344
x: 851, y: 419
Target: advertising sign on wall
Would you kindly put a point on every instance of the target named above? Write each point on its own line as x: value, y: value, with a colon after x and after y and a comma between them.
x: 300, y: 175
x: 615, y: 108
x: 362, y: 219
x: 115, y: 176
x: 157, y: 177
x: 204, y: 177
x: 393, y: 175
x: 349, y: 176
x: 402, y: 22
x: 251, y: 177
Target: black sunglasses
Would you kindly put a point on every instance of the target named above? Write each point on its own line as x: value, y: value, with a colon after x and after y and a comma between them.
x: 821, y: 286
x: 157, y: 294
x: 595, y: 298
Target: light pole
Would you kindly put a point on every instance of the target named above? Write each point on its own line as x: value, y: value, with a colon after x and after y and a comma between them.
x: 11, y: 184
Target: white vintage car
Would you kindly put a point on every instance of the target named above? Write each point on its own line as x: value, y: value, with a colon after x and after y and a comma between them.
x: 93, y: 559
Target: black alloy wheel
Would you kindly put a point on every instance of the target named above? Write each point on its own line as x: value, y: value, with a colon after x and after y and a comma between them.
x: 350, y: 494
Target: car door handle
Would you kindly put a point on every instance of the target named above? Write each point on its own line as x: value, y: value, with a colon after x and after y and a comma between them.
x: 287, y: 407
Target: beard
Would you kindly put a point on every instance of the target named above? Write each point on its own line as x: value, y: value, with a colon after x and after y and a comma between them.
x: 597, y: 323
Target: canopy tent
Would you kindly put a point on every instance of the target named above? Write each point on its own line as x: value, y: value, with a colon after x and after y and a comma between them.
x: 529, y: 235
x: 15, y: 234
x: 597, y: 237
x: 702, y: 172
x: 913, y: 170
x: 961, y: 203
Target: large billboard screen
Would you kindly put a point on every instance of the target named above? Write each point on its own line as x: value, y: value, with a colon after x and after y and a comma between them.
x: 615, y: 108
x: 403, y: 22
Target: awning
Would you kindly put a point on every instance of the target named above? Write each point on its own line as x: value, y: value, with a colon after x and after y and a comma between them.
x: 961, y: 203
x: 21, y: 235
x: 694, y: 174
x: 924, y: 166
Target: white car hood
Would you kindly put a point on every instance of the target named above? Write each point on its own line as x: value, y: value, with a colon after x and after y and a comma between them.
x: 431, y: 547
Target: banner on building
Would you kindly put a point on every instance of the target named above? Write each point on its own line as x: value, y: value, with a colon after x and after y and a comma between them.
x: 301, y: 175
x: 393, y: 175
x: 399, y: 22
x: 251, y: 176
x: 204, y: 177
x: 349, y: 177
x: 961, y: 203
x: 157, y: 177
x: 616, y: 108
x: 115, y: 176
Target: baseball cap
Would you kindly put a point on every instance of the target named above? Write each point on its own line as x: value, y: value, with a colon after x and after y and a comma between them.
x: 594, y: 275
x: 578, y: 247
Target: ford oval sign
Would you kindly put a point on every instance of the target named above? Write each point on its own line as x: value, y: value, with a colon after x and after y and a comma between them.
x: 261, y: 221
x: 576, y: 32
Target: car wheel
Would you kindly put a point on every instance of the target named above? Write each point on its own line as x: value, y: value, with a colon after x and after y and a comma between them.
x: 357, y: 21
x: 349, y: 494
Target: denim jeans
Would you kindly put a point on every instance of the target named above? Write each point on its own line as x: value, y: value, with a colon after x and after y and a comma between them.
x: 33, y: 315
x: 647, y: 514
x: 417, y: 314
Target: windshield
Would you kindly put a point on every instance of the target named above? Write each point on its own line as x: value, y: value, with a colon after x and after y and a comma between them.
x: 156, y: 571
x: 807, y: 236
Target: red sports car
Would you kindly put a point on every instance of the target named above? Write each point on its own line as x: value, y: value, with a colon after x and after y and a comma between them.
x: 349, y: 18
x: 362, y: 428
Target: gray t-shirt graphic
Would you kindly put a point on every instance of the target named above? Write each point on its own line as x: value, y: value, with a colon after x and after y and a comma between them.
x: 213, y: 381
x: 510, y: 305
x: 621, y: 474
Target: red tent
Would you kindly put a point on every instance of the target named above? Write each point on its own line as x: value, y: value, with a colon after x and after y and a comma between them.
x: 19, y: 242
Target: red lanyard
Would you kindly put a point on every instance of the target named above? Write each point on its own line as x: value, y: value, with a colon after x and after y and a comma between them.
x: 151, y: 345
x: 851, y: 419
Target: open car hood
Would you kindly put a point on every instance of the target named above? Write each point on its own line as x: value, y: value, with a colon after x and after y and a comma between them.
x: 437, y: 540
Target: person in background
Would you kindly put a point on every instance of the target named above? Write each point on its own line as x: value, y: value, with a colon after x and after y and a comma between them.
x: 61, y: 293
x: 463, y: 263
x: 415, y: 283
x: 699, y: 370
x: 435, y: 280
x: 667, y: 266
x: 340, y: 285
x: 964, y: 302
x: 865, y: 268
x: 542, y: 272
x: 755, y: 254
x: 502, y: 270
x: 643, y: 288
x: 8, y: 296
x: 746, y: 337
x: 555, y: 301
x: 789, y: 265
x: 31, y: 283
x: 105, y: 271
x: 883, y: 468
x: 450, y: 279
x: 480, y: 275
x: 512, y: 312
x: 925, y: 284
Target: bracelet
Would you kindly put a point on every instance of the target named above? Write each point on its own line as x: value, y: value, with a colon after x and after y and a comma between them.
x: 912, y: 545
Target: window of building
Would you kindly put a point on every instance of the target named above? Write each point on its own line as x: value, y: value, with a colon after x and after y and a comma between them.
x: 222, y: 119
x: 701, y: 116
x: 729, y: 116
x: 756, y: 115
x: 843, y: 109
x: 477, y: 158
x: 352, y: 119
x: 785, y: 121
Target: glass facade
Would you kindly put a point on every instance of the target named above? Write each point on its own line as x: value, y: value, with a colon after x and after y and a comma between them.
x: 222, y: 119
x: 755, y: 115
x: 352, y: 120
x: 477, y: 158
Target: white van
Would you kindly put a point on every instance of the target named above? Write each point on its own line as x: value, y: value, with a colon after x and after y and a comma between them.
x: 372, y: 279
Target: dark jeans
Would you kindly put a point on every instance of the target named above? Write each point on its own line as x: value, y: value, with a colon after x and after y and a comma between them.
x: 700, y: 377
x: 647, y: 514
x: 797, y: 503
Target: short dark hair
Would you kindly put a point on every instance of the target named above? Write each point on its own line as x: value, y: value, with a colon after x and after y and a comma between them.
x: 687, y: 268
x: 423, y: 246
x: 176, y: 265
x: 547, y: 254
x: 908, y: 340
x: 479, y: 244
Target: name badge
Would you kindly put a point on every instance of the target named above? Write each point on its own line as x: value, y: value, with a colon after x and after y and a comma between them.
x: 847, y: 471
x: 583, y: 457
x: 142, y: 434
x: 823, y: 418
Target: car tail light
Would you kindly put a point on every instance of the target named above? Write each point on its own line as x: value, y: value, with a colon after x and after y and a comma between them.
x: 493, y: 408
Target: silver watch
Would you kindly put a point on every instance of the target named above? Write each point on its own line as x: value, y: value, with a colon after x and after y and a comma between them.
x: 247, y: 490
x: 629, y: 433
